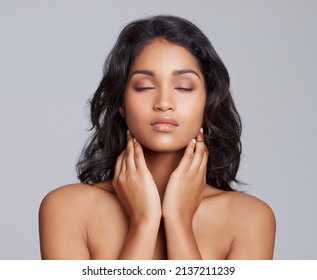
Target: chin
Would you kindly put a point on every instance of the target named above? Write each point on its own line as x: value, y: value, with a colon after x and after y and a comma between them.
x: 163, y: 146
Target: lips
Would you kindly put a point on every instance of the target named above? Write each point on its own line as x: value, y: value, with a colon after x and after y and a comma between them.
x: 164, y: 124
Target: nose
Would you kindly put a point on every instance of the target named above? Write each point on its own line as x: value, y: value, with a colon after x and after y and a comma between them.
x: 164, y: 101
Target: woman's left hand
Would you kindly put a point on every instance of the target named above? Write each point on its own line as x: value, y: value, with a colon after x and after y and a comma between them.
x: 185, y: 188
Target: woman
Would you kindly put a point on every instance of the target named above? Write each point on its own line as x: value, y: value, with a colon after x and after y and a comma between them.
x: 156, y: 174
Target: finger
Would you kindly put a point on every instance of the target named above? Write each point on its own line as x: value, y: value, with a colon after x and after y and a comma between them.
x: 139, y: 156
x: 188, y: 156
x: 203, y: 166
x: 118, y: 165
x: 124, y: 164
x: 198, y: 153
x: 200, y: 136
x: 129, y: 158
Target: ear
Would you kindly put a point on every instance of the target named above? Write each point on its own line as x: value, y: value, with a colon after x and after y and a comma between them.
x: 122, y: 110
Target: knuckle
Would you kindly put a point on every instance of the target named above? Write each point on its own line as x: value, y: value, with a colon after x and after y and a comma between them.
x: 114, y: 182
x: 200, y: 151
x: 121, y: 179
x: 137, y: 153
x: 129, y: 151
x: 189, y: 155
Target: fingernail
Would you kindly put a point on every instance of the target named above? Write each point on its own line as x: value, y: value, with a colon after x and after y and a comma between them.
x: 128, y: 132
x: 201, y: 130
x: 194, y: 141
x: 134, y: 140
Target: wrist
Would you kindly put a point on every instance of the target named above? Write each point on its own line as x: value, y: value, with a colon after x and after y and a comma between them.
x: 178, y: 219
x: 145, y: 222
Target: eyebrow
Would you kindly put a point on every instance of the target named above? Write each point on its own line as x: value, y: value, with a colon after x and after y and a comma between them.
x: 175, y: 73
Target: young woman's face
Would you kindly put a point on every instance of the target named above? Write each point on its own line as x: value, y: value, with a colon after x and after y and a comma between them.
x: 164, y: 97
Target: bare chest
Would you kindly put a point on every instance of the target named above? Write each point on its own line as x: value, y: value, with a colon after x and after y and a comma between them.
x: 105, y: 239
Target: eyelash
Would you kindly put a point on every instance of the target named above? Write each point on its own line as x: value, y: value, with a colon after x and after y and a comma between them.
x: 185, y: 89
x: 138, y: 89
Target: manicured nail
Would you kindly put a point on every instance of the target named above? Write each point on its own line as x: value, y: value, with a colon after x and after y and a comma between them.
x: 194, y: 141
x: 128, y: 132
x: 201, y: 130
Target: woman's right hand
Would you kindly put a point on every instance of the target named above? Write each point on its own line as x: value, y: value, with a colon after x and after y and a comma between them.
x: 135, y: 186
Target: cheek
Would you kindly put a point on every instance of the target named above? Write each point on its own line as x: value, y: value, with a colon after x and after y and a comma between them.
x: 135, y: 112
x: 190, y: 115
x: 133, y: 117
x: 193, y: 111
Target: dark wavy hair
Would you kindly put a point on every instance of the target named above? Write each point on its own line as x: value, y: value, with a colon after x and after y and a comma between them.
x: 221, y: 121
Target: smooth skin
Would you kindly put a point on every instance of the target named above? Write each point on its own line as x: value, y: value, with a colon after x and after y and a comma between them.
x: 158, y: 206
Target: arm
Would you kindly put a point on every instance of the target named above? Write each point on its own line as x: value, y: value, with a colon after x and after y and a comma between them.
x: 183, y: 196
x: 138, y: 194
x: 140, y: 242
x: 180, y: 240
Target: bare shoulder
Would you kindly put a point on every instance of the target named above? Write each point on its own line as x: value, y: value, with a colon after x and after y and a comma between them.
x: 80, y: 202
x: 255, y: 226
x: 76, y: 195
x: 248, y: 206
x: 248, y: 222
x: 239, y: 205
x: 64, y: 217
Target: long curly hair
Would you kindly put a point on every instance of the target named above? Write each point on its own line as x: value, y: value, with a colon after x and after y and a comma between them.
x: 221, y: 121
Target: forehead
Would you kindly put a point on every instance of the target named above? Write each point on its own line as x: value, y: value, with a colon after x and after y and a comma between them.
x: 161, y: 55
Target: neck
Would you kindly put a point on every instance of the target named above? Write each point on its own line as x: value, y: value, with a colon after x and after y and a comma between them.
x: 161, y: 165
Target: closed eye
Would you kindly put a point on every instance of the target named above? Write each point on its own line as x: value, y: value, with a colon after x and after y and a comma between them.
x: 143, y: 88
x: 184, y: 89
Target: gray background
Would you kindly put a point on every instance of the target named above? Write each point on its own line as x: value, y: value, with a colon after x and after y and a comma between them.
x: 51, y: 57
